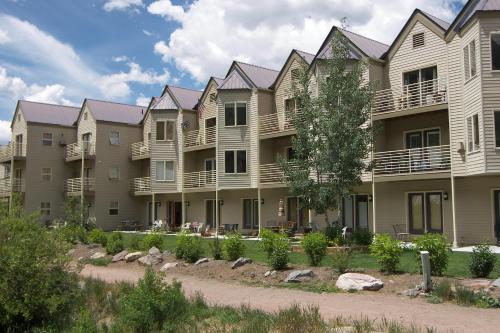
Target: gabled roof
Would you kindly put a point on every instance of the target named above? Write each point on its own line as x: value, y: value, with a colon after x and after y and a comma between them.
x: 116, y: 112
x: 252, y: 75
x: 235, y: 80
x: 469, y: 10
x: 216, y: 80
x: 187, y: 98
x: 442, y: 23
x: 48, y: 113
x: 304, y: 56
x: 308, y: 57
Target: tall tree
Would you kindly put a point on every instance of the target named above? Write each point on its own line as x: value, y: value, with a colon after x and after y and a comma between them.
x: 334, y: 134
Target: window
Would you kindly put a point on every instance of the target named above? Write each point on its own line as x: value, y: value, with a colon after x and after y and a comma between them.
x: 113, y: 208
x: 497, y: 129
x: 165, y: 130
x: 290, y: 105
x: 418, y: 40
x: 495, y: 51
x: 114, y: 173
x: 114, y: 138
x: 425, y: 212
x: 473, y: 133
x: 45, y: 208
x: 470, y: 60
x: 290, y: 153
x: 164, y: 170
x: 47, y: 139
x: 235, y: 161
x: 47, y: 174
x: 235, y: 114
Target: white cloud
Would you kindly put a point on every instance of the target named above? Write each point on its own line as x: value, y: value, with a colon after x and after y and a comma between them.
x: 120, y: 59
x: 116, y: 85
x: 5, y: 134
x: 147, y: 33
x: 4, y: 38
x: 212, y: 33
x: 142, y: 100
x: 123, y: 5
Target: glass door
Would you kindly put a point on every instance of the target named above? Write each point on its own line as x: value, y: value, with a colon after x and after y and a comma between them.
x: 416, y: 213
x: 210, y: 213
x: 433, y: 207
x: 361, y: 211
x: 250, y: 213
x: 496, y: 198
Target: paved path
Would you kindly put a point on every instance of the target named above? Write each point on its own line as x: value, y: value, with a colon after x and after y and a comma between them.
x: 443, y: 317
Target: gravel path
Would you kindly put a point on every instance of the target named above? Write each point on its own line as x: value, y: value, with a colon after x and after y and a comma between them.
x: 443, y: 317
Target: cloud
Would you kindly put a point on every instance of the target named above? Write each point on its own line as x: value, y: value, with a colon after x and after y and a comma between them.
x: 123, y: 5
x: 265, y: 34
x: 4, y: 38
x: 120, y: 59
x: 147, y: 33
x: 142, y: 100
x: 5, y: 133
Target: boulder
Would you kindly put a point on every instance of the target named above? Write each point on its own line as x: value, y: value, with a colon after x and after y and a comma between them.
x: 119, y: 256
x: 356, y: 281
x: 168, y: 266
x: 240, y: 262
x: 496, y: 283
x: 201, y: 261
x: 149, y: 260
x: 166, y: 253
x: 411, y: 293
x: 98, y: 255
x: 133, y: 256
x: 298, y: 276
x: 266, y: 274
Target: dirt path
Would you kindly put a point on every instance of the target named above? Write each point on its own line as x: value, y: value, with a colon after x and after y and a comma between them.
x: 443, y: 317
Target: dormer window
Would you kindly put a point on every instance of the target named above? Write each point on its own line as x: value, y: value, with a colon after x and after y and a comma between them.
x: 418, y: 40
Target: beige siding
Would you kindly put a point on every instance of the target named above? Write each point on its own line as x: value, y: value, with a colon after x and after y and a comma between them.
x: 284, y: 89
x: 87, y: 125
x: 20, y: 127
x: 210, y: 107
x: 146, y: 128
x: 195, y: 161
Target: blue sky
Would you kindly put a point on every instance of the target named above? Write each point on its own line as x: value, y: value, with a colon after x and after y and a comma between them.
x: 61, y: 51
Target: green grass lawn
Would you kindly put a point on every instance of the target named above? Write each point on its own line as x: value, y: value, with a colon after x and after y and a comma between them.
x: 458, y: 265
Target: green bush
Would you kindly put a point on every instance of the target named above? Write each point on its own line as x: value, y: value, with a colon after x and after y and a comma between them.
x: 341, y: 261
x: 216, y: 248
x: 266, y: 242
x: 362, y: 237
x: 443, y: 290
x: 482, y: 261
x: 438, y: 248
x: 279, y: 255
x: 315, y: 245
x: 233, y: 247
x: 150, y: 240
x: 115, y: 243
x: 333, y: 231
x: 465, y: 296
x: 97, y: 236
x: 188, y: 247
x: 386, y: 251
x: 85, y: 323
x: 72, y: 234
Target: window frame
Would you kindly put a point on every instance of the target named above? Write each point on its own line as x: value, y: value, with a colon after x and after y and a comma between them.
x: 235, y: 161
x: 425, y: 211
x: 111, y: 138
x: 472, y: 133
x: 44, y: 140
x: 468, y: 71
x: 117, y: 173
x: 165, y: 132
x: 497, y: 135
x: 45, y: 211
x: 235, y: 105
x: 110, y: 208
x: 164, y: 166
x: 49, y: 174
x: 491, y: 50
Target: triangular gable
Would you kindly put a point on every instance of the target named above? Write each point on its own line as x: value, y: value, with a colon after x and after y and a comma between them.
x: 471, y: 8
x: 236, y: 80
x: 18, y: 109
x: 166, y: 102
x: 294, y: 55
x: 210, y: 82
x: 84, y: 106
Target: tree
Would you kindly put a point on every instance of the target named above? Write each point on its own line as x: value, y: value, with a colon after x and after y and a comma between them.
x: 334, y: 134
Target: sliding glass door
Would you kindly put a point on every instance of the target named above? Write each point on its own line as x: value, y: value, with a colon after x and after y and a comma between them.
x: 425, y: 212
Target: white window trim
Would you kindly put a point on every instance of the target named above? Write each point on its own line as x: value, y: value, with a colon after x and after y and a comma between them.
x: 236, y: 162
x: 165, y: 168
x: 468, y: 57
x: 165, y: 130
x: 118, y: 173
x: 45, y: 174
x: 491, y: 52
x: 236, y: 114
x: 119, y: 138
x: 117, y: 208
x: 474, y: 148
x: 51, y: 139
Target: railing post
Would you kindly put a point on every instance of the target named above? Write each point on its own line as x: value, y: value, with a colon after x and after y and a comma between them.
x: 409, y: 161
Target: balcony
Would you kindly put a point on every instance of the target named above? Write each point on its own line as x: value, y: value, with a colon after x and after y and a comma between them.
x: 276, y: 124
x: 194, y: 140
x: 140, y: 186
x: 271, y: 174
x: 73, y: 186
x: 410, y: 99
x: 6, y: 188
x: 12, y: 150
x: 200, y: 180
x: 140, y: 150
x: 429, y: 162
x: 75, y: 151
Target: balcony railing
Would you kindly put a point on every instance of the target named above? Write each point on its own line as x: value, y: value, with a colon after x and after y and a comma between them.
x: 199, y: 179
x: 140, y: 185
x: 199, y: 138
x: 271, y: 174
x: 412, y: 161
x: 425, y: 93
x: 74, y: 150
x: 18, y: 185
x: 11, y: 150
x: 74, y: 185
x: 274, y: 123
x: 140, y: 150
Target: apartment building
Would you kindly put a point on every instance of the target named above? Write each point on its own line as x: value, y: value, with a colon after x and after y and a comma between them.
x: 211, y: 156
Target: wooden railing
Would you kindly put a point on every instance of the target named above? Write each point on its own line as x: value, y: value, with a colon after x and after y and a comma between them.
x: 74, y: 185
x: 276, y: 122
x: 199, y: 138
x: 425, y: 93
x: 18, y: 185
x: 12, y: 149
x: 271, y: 174
x: 142, y: 184
x: 412, y: 161
x: 74, y: 150
x: 140, y: 150
x: 199, y: 179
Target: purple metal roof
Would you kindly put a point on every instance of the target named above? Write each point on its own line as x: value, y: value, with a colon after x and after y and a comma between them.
x: 187, y: 98
x: 481, y: 5
x: 49, y: 113
x: 308, y: 57
x: 234, y: 81
x: 116, y: 112
x: 218, y: 80
x: 260, y: 76
x: 442, y: 23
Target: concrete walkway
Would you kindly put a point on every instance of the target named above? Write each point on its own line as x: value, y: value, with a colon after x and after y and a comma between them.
x: 468, y: 249
x: 443, y: 317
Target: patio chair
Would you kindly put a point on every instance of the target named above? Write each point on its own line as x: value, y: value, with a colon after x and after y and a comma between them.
x: 199, y: 229
x: 186, y: 227
x: 401, y: 233
x: 346, y: 232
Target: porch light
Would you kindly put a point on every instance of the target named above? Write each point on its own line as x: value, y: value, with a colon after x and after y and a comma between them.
x: 370, y: 198
x: 261, y: 201
x: 188, y: 203
x: 222, y: 202
x: 445, y: 195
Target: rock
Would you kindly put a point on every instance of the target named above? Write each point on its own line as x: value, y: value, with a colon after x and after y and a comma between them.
x: 92, y: 246
x: 476, y: 284
x: 133, y: 256
x: 168, y: 266
x: 355, y: 281
x: 411, y: 293
x: 240, y: 262
x: 201, y: 261
x: 496, y: 283
x: 153, y: 257
x: 266, y: 274
x: 154, y: 251
x: 298, y: 276
x: 252, y: 275
x: 119, y: 256
x: 98, y: 255
x: 70, y: 252
x: 273, y: 273
x: 166, y: 253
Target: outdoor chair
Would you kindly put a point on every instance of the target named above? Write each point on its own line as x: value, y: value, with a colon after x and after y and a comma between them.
x: 401, y: 233
x: 186, y: 227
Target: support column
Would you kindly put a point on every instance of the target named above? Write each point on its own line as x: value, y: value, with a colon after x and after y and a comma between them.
x: 216, y: 213
x: 259, y: 199
x: 153, y: 207
x: 374, y: 206
x: 82, y: 184
x: 183, y: 208
x: 453, y: 212
x: 11, y: 180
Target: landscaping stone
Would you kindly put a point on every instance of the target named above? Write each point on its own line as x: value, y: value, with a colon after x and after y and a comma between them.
x: 201, y: 261
x: 411, y: 293
x: 154, y: 252
x: 98, y: 255
x: 240, y: 262
x: 149, y: 260
x: 496, y: 283
x: 266, y: 274
x: 298, y: 276
x: 133, y: 256
x: 355, y: 281
x: 168, y: 266
x: 119, y: 256
x: 273, y: 273
x: 166, y: 253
